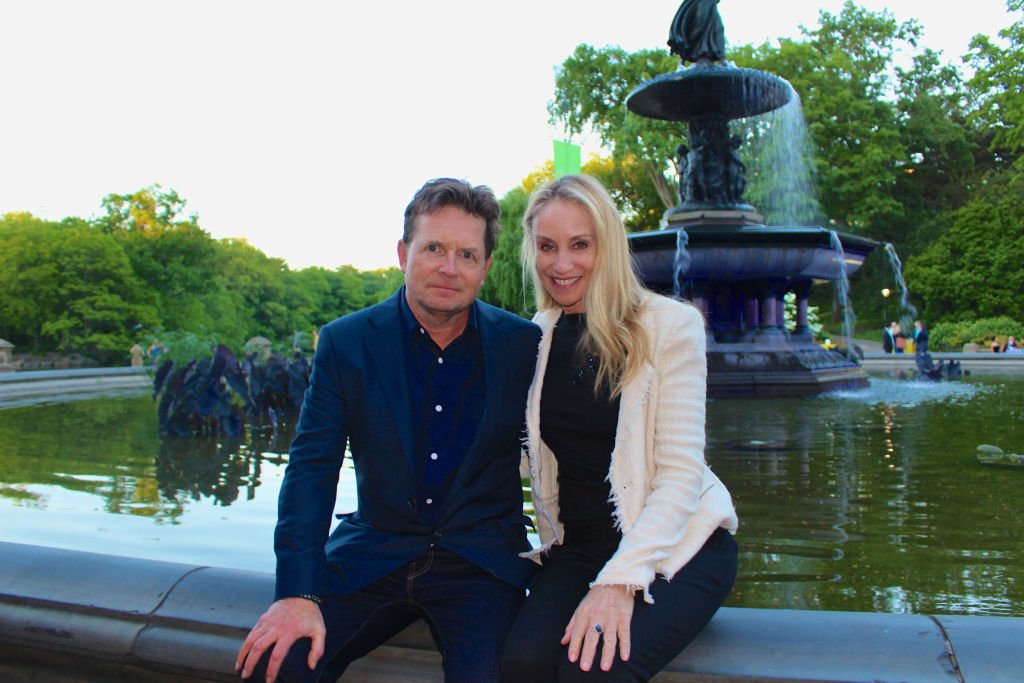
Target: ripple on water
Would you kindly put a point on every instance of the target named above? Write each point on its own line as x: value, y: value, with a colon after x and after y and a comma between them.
x: 910, y: 393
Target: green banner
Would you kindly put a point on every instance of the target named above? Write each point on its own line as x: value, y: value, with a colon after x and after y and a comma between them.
x: 567, y: 159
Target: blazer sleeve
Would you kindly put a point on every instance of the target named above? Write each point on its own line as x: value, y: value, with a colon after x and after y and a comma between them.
x: 310, y: 485
x: 678, y: 400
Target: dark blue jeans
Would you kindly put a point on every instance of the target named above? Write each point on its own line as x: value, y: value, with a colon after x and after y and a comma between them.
x: 468, y: 611
x: 659, y: 631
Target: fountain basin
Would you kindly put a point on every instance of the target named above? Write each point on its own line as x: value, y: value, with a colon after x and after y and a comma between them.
x: 738, y: 276
x: 745, y: 253
x: 709, y: 90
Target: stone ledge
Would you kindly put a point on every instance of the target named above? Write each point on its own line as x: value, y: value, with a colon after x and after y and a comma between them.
x: 84, y: 615
x: 62, y: 385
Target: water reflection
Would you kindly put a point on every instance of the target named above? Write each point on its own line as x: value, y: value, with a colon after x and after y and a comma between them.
x: 869, y: 501
x: 219, y: 469
x: 872, y: 500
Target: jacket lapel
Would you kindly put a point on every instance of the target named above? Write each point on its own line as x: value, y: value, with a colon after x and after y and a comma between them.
x: 387, y: 367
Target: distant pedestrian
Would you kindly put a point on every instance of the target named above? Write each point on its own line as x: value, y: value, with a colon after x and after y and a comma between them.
x: 1011, y: 345
x: 888, y: 341
x: 898, y: 339
x: 137, y: 353
x: 920, y: 338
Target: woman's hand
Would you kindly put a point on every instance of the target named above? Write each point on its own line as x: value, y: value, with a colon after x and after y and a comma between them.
x: 610, y: 608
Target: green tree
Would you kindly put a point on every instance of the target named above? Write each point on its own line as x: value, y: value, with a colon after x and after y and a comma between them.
x: 843, y: 72
x: 974, y: 270
x: 379, y: 284
x: 504, y: 285
x: 176, y: 259
x: 998, y: 91
x: 591, y: 87
x: 939, y: 171
x: 28, y: 277
x: 100, y: 302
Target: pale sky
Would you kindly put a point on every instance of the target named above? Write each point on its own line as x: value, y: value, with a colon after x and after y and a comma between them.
x: 305, y: 127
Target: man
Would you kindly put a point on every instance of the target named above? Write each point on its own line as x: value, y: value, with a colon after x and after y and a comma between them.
x: 888, y: 341
x: 428, y: 389
x: 920, y: 338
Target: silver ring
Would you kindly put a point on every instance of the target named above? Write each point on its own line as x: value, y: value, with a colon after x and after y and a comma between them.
x: 597, y: 627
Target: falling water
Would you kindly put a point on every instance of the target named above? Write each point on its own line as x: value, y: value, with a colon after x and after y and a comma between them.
x: 781, y: 168
x: 681, y: 264
x: 907, y: 313
x: 843, y: 288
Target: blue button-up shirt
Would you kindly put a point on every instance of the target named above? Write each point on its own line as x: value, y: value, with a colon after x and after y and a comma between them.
x: 447, y: 388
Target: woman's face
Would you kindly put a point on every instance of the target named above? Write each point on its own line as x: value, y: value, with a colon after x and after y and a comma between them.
x: 566, y: 245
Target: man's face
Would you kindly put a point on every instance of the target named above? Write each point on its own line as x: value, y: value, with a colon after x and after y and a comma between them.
x: 444, y: 262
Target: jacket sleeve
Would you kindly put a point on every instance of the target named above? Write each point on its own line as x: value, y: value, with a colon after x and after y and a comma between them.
x: 310, y: 485
x: 677, y: 398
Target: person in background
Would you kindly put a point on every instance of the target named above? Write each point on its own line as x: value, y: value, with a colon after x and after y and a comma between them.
x: 898, y: 339
x: 136, y: 353
x: 920, y: 338
x: 888, y: 341
x: 427, y: 392
x: 1011, y: 345
x: 637, y: 540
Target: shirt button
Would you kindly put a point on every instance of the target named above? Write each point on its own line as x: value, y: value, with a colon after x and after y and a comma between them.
x: 433, y: 456
x: 438, y: 407
x: 430, y: 501
x: 440, y: 361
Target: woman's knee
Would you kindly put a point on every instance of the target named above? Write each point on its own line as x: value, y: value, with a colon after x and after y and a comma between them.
x: 529, y: 659
x: 621, y: 672
x: 517, y: 665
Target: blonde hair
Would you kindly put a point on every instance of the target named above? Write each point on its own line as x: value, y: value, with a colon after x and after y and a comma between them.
x: 612, y: 301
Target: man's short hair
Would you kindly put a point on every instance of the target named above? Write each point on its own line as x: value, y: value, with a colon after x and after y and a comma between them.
x: 476, y: 200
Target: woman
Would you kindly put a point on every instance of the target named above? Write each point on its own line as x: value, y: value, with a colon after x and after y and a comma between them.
x: 637, y: 550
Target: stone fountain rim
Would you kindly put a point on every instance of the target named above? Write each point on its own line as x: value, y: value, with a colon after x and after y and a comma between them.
x: 748, y: 236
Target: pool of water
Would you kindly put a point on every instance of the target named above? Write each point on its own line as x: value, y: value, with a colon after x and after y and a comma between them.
x: 864, y: 501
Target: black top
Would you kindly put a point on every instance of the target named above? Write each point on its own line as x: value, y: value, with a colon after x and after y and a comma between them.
x: 579, y: 427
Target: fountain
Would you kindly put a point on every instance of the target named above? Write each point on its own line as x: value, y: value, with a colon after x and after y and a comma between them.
x: 716, y: 249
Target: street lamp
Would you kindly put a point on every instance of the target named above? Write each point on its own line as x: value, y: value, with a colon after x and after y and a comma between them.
x: 885, y: 309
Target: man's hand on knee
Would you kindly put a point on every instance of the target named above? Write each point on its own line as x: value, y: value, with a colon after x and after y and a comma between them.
x: 286, y: 621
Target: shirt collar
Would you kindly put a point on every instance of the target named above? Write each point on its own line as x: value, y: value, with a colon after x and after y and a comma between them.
x: 411, y: 326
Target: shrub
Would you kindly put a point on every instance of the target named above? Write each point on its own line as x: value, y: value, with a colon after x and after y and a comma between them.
x: 951, y: 336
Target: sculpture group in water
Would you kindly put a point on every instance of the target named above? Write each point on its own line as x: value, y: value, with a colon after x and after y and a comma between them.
x: 223, y: 396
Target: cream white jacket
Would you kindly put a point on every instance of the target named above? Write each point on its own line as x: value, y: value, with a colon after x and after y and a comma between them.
x: 667, y: 501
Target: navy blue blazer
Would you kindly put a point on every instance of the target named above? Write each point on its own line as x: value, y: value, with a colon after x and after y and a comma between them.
x: 359, y: 395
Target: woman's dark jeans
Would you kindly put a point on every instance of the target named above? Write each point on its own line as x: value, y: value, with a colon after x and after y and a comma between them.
x: 659, y: 631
